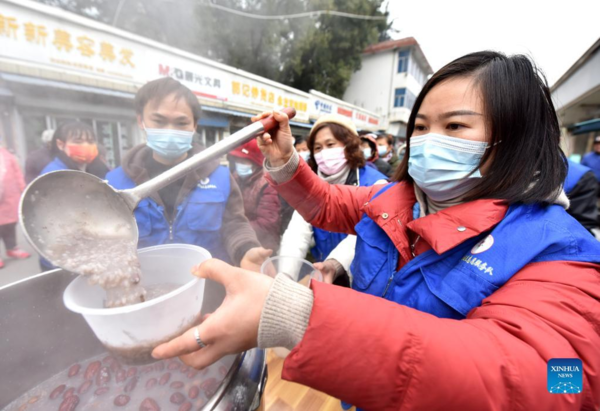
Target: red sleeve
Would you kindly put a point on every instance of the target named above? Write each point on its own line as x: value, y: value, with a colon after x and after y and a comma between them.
x: 331, y: 207
x: 379, y: 355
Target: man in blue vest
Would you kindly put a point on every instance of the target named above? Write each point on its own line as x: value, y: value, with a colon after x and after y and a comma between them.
x: 204, y: 208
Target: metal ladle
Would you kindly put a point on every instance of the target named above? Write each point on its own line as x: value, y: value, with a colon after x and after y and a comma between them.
x: 63, y: 203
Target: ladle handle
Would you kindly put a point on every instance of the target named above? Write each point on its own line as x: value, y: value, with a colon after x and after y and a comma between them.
x: 135, y: 195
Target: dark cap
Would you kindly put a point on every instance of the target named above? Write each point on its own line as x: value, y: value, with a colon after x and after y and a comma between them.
x: 596, y: 139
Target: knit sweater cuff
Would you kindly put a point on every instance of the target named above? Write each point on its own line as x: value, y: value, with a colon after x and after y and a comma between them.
x: 285, y: 172
x: 285, y: 316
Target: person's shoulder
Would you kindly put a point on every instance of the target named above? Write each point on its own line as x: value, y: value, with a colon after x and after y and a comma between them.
x: 373, y: 173
x: 55, y: 165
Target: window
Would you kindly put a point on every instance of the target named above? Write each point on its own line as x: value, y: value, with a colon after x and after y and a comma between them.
x: 403, y: 61
x: 399, y: 95
x: 404, y: 98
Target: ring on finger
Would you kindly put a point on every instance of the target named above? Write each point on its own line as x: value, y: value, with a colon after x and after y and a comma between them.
x: 198, y: 340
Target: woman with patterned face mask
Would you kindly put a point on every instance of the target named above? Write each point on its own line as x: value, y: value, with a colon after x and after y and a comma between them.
x: 335, y: 155
x: 75, y: 148
x: 473, y: 287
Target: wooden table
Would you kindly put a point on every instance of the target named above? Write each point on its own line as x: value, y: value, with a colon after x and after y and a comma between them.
x: 282, y: 395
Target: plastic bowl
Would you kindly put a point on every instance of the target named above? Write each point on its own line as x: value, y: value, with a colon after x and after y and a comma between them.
x: 132, y: 332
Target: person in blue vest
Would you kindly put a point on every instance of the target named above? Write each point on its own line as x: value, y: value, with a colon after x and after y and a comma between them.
x: 581, y: 187
x: 592, y: 159
x: 74, y: 147
x: 204, y: 208
x: 336, y: 157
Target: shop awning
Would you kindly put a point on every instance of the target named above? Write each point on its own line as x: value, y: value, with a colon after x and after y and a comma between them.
x: 33, y: 81
x: 227, y: 111
x: 585, y: 127
x: 244, y: 114
x: 209, y: 119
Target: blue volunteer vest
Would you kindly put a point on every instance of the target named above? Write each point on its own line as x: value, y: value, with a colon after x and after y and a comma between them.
x: 198, y: 218
x: 574, y: 174
x: 326, y: 241
x: 451, y: 284
x: 55, y: 165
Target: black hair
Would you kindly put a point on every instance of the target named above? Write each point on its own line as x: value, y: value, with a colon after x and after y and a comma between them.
x: 299, y: 140
x: 73, y: 129
x: 529, y: 165
x: 158, y: 90
x: 388, y: 137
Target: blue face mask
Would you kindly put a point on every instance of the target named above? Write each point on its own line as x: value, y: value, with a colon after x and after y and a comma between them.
x: 382, y: 150
x: 168, y: 143
x: 243, y: 170
x: 367, y: 152
x: 445, y: 167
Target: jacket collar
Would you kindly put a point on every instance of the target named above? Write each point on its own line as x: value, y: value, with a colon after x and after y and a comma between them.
x: 443, y: 230
x: 454, y: 225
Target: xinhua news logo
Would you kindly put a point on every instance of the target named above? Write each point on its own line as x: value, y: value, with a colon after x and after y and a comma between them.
x: 565, y: 376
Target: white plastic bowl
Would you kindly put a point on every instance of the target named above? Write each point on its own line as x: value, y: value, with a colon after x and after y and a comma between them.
x: 132, y: 332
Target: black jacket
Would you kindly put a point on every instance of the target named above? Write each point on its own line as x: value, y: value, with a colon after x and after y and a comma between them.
x: 583, y: 198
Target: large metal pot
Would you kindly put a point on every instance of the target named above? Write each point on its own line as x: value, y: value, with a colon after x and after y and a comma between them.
x: 40, y: 337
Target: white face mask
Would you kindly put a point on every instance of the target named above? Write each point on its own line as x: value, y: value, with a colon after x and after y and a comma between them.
x: 331, y: 160
x: 367, y: 152
x: 304, y: 154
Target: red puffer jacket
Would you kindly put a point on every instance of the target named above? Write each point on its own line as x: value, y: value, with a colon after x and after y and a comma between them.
x: 391, y: 357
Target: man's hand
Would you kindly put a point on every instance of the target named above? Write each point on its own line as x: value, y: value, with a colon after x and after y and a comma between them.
x: 233, y: 328
x: 254, y: 258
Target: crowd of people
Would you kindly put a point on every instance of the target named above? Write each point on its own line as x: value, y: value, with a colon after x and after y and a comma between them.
x: 408, y: 235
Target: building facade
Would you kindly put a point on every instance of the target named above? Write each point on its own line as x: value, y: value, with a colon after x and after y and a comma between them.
x: 56, y: 66
x: 392, y: 75
x: 576, y: 97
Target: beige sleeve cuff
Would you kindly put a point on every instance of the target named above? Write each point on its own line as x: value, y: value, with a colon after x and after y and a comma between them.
x: 285, y: 172
x: 285, y: 316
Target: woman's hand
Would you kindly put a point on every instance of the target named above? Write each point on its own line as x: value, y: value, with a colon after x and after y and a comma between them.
x: 279, y: 147
x: 233, y: 328
x: 254, y: 258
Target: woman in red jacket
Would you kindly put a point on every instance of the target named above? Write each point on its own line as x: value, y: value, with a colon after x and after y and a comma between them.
x: 12, y: 185
x: 475, y: 230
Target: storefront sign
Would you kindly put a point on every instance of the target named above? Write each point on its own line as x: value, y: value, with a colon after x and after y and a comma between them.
x: 37, y: 38
x: 322, y: 104
x: 50, y: 38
